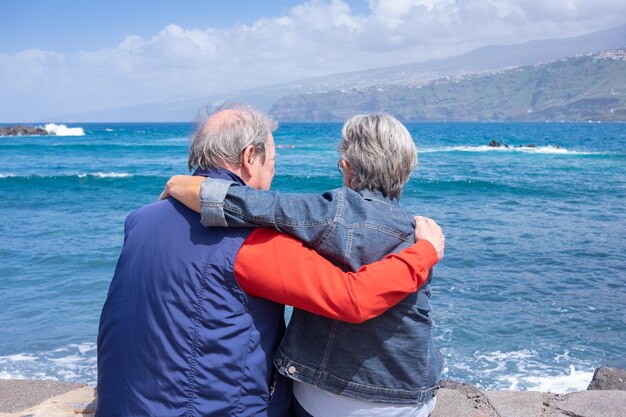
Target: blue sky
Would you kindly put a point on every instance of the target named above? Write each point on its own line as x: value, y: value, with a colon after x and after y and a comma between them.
x: 74, y: 25
x: 67, y: 56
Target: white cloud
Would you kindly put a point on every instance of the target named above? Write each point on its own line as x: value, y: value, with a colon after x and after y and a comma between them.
x: 394, y: 13
x: 315, y: 38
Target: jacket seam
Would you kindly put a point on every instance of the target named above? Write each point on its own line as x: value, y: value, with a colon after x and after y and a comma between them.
x: 337, y: 384
x: 373, y: 226
x: 329, y: 346
x: 426, y: 370
x: 337, y: 219
x: 235, y: 284
x: 348, y: 252
x: 193, y: 360
x: 240, y: 407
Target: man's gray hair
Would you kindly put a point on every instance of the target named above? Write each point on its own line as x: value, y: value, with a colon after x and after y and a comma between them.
x: 380, y: 151
x: 220, y: 139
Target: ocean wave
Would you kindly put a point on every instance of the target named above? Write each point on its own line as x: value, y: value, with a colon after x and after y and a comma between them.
x: 418, y: 186
x: 548, y: 149
x: 20, y: 357
x: 102, y: 175
x: 75, y: 362
x: 523, y: 370
x: 106, y: 175
x: 516, y: 370
x: 63, y: 130
x: 560, y: 384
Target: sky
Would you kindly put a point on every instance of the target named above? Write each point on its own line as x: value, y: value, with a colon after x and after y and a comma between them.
x: 68, y: 56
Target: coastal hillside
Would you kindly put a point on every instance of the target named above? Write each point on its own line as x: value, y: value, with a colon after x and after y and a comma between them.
x: 478, y: 61
x: 486, y: 58
x: 581, y: 88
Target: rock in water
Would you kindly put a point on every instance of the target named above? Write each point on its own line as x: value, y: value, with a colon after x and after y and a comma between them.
x: 605, y: 378
x: 494, y: 143
x: 23, y: 131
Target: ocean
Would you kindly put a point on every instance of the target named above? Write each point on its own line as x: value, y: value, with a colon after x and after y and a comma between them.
x: 531, y: 294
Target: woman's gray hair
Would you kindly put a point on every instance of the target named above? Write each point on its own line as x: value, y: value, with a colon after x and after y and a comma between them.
x: 226, y: 132
x: 380, y: 151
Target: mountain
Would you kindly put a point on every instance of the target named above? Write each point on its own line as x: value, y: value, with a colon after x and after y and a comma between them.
x: 483, y: 59
x: 529, y: 53
x: 588, y: 87
x: 479, y: 60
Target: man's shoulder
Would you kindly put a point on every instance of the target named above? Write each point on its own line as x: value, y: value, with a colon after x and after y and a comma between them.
x: 161, y: 211
x: 170, y: 217
x: 150, y: 209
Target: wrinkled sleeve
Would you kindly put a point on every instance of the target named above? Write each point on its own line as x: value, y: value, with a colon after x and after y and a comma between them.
x: 308, y: 217
x: 212, y: 196
x: 280, y: 268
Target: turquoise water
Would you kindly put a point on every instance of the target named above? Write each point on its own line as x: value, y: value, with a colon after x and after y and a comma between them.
x: 530, y: 295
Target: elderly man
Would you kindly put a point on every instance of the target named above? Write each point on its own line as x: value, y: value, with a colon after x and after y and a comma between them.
x: 386, y: 366
x: 184, y: 331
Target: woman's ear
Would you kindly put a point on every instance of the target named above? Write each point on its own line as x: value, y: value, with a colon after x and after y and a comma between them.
x: 347, y: 175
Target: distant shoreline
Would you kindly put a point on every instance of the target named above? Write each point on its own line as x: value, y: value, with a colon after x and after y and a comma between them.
x: 326, y: 122
x: 23, y: 130
x: 50, y: 129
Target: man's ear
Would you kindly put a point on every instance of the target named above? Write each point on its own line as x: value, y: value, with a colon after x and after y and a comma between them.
x: 248, y: 156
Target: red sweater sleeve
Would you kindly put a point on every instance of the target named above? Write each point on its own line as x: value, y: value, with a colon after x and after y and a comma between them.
x: 280, y: 268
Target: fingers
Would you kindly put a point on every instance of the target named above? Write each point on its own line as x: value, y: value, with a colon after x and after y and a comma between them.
x: 425, y: 220
x: 164, y: 195
x: 168, y: 187
x: 427, y: 229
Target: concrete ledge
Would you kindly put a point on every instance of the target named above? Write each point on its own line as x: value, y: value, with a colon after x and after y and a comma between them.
x: 22, y: 398
x: 51, y: 398
x: 453, y: 403
x: 587, y: 404
x: 17, y: 395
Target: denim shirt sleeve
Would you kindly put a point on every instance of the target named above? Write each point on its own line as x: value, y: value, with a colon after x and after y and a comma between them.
x: 212, y: 195
x: 308, y: 217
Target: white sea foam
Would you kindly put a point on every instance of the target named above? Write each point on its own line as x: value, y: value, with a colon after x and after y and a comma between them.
x: 68, y: 375
x: 549, y: 149
x: 7, y: 375
x: 75, y: 362
x: 105, y: 175
x: 20, y: 357
x: 522, y: 370
x: 560, y: 384
x: 69, y: 361
x: 515, y: 370
x: 63, y: 130
x: 108, y: 130
x: 84, y: 347
x: 111, y: 175
x: 79, y: 175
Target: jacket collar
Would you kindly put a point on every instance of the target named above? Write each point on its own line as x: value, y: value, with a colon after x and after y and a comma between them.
x: 378, y: 196
x: 219, y: 173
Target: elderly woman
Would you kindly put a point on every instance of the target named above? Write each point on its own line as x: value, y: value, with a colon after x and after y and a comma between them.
x: 388, y: 365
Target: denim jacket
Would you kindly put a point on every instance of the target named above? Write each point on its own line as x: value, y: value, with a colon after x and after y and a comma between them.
x: 388, y: 359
